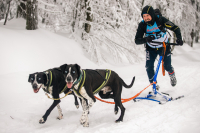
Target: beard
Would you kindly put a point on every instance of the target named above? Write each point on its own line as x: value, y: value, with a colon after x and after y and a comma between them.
x: 147, y: 20
x: 150, y: 23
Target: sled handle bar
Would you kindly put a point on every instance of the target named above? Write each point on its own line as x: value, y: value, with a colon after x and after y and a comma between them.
x: 165, y: 43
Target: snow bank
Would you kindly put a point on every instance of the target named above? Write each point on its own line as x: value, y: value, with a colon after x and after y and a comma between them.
x: 23, y: 52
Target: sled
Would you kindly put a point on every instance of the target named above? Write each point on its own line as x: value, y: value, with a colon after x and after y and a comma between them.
x: 152, y: 96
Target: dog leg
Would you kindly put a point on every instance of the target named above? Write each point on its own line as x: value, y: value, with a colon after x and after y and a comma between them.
x: 89, y: 96
x: 76, y: 101
x: 116, y: 109
x: 55, y: 103
x: 117, y: 98
x: 119, y: 104
x: 86, y: 102
x: 84, y: 117
x: 44, y: 118
x: 59, y: 112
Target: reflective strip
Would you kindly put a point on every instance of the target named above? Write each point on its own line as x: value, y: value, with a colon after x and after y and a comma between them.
x: 168, y: 25
x: 176, y: 28
x: 108, y: 73
x: 148, y: 9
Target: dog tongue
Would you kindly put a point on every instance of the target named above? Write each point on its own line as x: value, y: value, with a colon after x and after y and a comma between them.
x: 35, y: 90
x: 69, y: 84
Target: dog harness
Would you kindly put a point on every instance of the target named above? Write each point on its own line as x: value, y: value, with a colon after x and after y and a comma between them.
x: 49, y: 80
x: 82, y: 81
x: 49, y: 77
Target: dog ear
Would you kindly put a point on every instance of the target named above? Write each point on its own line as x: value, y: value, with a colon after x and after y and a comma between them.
x: 63, y: 67
x: 44, y: 77
x: 29, y: 78
x: 78, y: 68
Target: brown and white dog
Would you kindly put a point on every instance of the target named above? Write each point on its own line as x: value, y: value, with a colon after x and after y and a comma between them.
x: 93, y: 79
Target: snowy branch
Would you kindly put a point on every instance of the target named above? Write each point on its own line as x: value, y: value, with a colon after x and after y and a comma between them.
x: 41, y: 1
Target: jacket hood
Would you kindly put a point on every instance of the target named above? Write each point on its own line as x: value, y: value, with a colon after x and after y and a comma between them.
x: 149, y: 10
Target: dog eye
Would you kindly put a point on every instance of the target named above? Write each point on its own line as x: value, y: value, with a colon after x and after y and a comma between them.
x: 39, y: 78
x: 31, y: 78
x: 73, y: 72
x: 65, y: 71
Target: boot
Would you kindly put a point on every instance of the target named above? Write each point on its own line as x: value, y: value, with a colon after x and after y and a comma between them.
x: 173, y: 80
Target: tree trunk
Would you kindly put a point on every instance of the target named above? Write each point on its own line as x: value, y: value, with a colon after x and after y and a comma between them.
x: 89, y: 17
x: 31, y: 16
x: 75, y: 13
x: 142, y: 4
x: 21, y: 9
x: 7, y: 13
x: 192, y: 43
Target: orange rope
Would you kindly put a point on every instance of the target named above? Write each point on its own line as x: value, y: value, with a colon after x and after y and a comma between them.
x: 128, y: 99
x: 163, y: 69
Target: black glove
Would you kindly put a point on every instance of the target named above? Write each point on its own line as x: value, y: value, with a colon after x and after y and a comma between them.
x: 149, y: 38
x: 179, y: 42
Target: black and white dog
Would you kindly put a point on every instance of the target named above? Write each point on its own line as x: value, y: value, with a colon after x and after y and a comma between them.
x: 93, y: 80
x: 52, y: 81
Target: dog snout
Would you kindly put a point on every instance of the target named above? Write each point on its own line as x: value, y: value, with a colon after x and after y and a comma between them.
x: 34, y: 86
x: 69, y: 79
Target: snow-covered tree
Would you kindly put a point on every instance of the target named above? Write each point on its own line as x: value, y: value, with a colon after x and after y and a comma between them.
x: 4, y: 11
x: 106, y: 28
x: 21, y: 8
x: 111, y: 32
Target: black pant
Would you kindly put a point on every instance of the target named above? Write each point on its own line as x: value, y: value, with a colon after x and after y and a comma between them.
x: 151, y: 55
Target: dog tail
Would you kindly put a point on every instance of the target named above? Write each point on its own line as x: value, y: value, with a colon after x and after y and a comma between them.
x: 128, y: 86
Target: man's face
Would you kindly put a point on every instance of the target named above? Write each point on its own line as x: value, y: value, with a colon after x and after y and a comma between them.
x: 147, y: 17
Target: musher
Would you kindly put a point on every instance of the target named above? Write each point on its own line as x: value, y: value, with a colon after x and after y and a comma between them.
x: 154, y: 27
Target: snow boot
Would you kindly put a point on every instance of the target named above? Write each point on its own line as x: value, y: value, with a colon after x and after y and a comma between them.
x: 173, y: 80
x: 151, y: 93
x: 157, y: 87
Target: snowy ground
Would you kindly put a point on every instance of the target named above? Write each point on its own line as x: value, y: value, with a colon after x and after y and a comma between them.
x: 23, y: 52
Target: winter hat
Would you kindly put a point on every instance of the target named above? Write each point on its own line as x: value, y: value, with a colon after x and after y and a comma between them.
x: 149, y: 10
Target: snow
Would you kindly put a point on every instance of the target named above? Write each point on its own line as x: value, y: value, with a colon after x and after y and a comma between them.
x: 24, y: 52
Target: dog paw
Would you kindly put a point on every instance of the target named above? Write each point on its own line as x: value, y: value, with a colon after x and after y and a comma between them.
x: 83, y: 120
x: 118, y: 121
x: 60, y: 117
x: 77, y: 106
x: 86, y: 124
x: 90, y: 105
x: 42, y: 121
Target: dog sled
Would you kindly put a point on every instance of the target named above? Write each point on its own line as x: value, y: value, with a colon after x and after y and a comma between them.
x: 156, y: 95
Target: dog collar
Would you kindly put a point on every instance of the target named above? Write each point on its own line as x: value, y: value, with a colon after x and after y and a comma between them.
x: 79, y: 79
x: 81, y: 83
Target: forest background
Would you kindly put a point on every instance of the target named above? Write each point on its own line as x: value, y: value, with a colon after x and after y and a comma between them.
x: 105, y: 28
